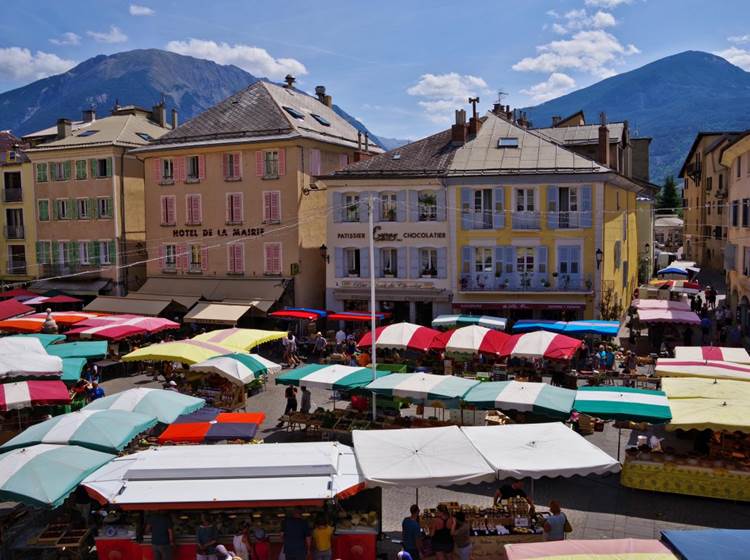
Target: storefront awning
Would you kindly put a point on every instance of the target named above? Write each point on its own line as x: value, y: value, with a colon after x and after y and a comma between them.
x: 147, y: 307
x: 260, y: 293
x: 78, y: 288
x: 216, y: 313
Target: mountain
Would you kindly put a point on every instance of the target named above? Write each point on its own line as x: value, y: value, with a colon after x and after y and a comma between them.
x: 392, y: 143
x: 669, y: 100
x: 138, y: 77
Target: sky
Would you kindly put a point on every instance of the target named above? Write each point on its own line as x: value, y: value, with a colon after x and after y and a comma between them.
x: 401, y: 67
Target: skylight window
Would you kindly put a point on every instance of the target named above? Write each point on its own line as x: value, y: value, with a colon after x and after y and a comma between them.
x: 294, y: 112
x: 145, y: 136
x: 87, y: 133
x: 321, y: 120
x: 508, y: 142
x: 396, y: 156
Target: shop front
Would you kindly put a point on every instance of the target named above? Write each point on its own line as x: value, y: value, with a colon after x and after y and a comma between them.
x: 523, y: 308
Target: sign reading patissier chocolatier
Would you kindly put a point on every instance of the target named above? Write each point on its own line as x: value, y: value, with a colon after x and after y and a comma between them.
x: 379, y: 235
x: 217, y: 232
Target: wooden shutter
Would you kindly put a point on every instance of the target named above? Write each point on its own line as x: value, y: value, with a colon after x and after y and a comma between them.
x: 553, y: 219
x: 93, y: 168
x: 66, y: 170
x: 414, y: 264
x: 364, y: 262
x: 183, y: 256
x: 272, y: 258
x: 201, y: 166
x: 178, y: 169
x: 282, y: 162
x: 315, y: 162
x: 441, y: 210
x: 156, y: 167
x: 237, y: 167
x: 259, y: 164
x: 338, y: 204
x: 204, y: 258
x: 276, y: 206
x: 238, y: 257
x: 198, y: 202
x: 401, y: 206
x: 413, y: 206
x: 338, y: 263
x: 266, y: 207
x: 237, y: 208
x: 467, y: 255
x: 498, y: 216
x: 109, y: 166
x: 164, y: 210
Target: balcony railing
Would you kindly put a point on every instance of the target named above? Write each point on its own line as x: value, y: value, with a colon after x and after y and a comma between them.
x: 14, y: 232
x: 569, y: 220
x: 16, y: 267
x: 11, y: 194
x: 525, y: 220
x: 489, y: 282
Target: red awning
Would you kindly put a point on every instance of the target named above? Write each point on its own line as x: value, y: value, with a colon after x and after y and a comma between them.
x: 13, y: 308
x: 352, y: 317
x: 288, y: 314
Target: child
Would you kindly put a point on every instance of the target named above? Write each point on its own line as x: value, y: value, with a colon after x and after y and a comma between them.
x: 321, y: 537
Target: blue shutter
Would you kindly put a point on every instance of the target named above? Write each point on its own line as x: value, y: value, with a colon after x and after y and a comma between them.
x: 442, y: 262
x: 376, y: 207
x: 467, y: 255
x: 378, y: 264
x: 364, y: 262
x: 364, y: 207
x: 339, y: 263
x: 541, y: 259
x: 413, y: 206
x: 466, y: 215
x: 414, y: 271
x: 575, y: 256
x: 552, y: 217
x: 441, y: 210
x: 401, y: 271
x: 401, y: 206
x: 585, y: 207
x: 498, y: 203
x: 338, y: 207
x: 499, y: 260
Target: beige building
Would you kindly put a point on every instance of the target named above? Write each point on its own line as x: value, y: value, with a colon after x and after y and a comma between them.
x: 668, y: 230
x: 89, y: 201
x: 233, y: 214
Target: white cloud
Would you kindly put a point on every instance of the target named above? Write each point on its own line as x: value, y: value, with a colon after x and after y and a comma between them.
x: 137, y: 10
x: 739, y: 39
x: 68, y: 38
x: 586, y: 51
x: 607, y: 3
x: 114, y: 35
x: 255, y: 60
x: 577, y: 20
x: 556, y: 85
x: 738, y: 57
x: 17, y: 63
x: 442, y: 93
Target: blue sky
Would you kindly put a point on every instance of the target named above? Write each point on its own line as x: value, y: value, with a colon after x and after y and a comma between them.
x: 402, y: 67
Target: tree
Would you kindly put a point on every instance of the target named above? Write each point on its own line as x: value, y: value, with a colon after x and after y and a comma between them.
x: 669, y: 199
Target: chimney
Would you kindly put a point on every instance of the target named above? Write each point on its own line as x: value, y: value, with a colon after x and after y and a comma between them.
x: 556, y: 120
x: 289, y: 79
x: 64, y: 128
x: 459, y: 130
x: 367, y: 141
x: 174, y: 119
x: 89, y: 115
x: 602, y: 151
x: 474, y: 123
x: 159, y: 114
x: 320, y: 93
x: 498, y: 110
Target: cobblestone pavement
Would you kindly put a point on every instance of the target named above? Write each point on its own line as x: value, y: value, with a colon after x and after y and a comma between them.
x: 598, y: 507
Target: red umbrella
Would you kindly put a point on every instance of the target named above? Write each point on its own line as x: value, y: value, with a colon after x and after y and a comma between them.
x: 541, y: 344
x: 401, y: 336
x: 32, y: 393
x: 108, y: 332
x: 18, y: 293
x: 471, y: 340
x: 150, y: 324
x: 210, y: 424
x: 12, y: 308
x: 293, y: 314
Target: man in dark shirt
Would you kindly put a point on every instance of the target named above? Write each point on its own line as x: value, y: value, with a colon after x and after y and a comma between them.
x: 512, y: 490
x: 162, y: 535
x: 296, y: 537
x: 411, y: 533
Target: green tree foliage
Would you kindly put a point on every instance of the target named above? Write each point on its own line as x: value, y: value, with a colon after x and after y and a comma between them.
x: 669, y: 200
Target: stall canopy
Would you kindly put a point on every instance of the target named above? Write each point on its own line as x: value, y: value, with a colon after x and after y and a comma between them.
x: 34, y: 322
x: 470, y: 340
x: 238, y: 368
x: 709, y: 543
x: 184, y: 351
x: 32, y: 393
x: 166, y: 406
x: 672, y: 270
x: 602, y: 328
x: 541, y: 344
x: 21, y: 345
x: 608, y: 549
x: 488, y: 321
x: 701, y: 404
x: 240, y: 339
x: 47, y: 300
x: 212, y: 425
x: 107, y: 332
x: 700, y: 388
x: 149, y: 324
x: 537, y: 450
x: 331, y: 377
x: 44, y: 339
x: 148, y: 306
x: 400, y: 336
x: 661, y: 304
x: 422, y: 386
x: 711, y: 353
x: 225, y: 476
x: 354, y: 316
x: 623, y: 403
x: 672, y: 367
x: 294, y: 315
x: 72, y: 369
x: 12, y: 308
x: 29, y: 364
x: 90, y: 349
x: 26, y: 473
x: 677, y: 286
x: 537, y: 398
x: 419, y: 457
x: 668, y: 316
x: 216, y: 313
x: 102, y: 430
x: 18, y: 293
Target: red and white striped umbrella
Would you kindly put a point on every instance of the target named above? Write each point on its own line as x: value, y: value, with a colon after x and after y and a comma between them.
x: 714, y: 353
x: 471, y: 340
x: 107, y: 332
x: 401, y: 336
x: 150, y: 324
x: 541, y: 344
x: 32, y: 393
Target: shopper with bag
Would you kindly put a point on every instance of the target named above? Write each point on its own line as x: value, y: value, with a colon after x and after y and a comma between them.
x: 557, y: 524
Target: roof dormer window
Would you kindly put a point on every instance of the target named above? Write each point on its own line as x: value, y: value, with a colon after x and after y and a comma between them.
x: 507, y: 142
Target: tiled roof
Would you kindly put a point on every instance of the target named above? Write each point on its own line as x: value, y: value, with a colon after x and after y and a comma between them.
x: 117, y: 130
x: 585, y: 134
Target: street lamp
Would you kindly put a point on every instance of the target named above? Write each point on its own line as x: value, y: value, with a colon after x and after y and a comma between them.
x: 599, y: 257
x: 324, y: 253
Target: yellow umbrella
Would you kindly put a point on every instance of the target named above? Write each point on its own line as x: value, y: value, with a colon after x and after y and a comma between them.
x: 713, y: 414
x: 185, y: 351
x: 695, y: 388
x: 239, y: 339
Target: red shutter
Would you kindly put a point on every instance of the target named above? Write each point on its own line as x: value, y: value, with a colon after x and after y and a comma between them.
x: 228, y: 208
x: 179, y: 169
x: 266, y: 207
x: 282, y: 162
x: 162, y: 255
x: 198, y: 201
x: 156, y: 170
x: 171, y: 211
x: 225, y: 165
x: 275, y: 206
x: 204, y: 258
x: 163, y: 209
x: 201, y: 167
x: 259, y: 164
x: 183, y: 256
x: 267, y: 258
x: 237, y: 171
x: 237, y: 210
x: 273, y: 258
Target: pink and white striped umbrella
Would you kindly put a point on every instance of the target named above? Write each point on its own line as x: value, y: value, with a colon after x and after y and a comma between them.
x: 471, y: 340
x: 672, y: 367
x: 32, y: 393
x: 541, y: 344
x: 401, y: 336
x: 107, y: 332
x: 714, y: 353
x: 149, y: 324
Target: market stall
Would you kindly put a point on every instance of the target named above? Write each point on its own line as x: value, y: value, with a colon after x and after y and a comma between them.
x: 708, y: 543
x: 187, y: 351
x: 330, y: 377
x: 424, y: 388
x: 711, y: 353
x: 33, y: 323
x: 235, y: 339
x: 211, y: 425
x: 539, y: 399
x: 23, y: 394
x: 665, y: 311
x: 92, y: 349
x: 541, y: 344
x: 400, y: 336
x: 609, y: 549
x: 471, y: 340
x: 13, y: 308
x: 457, y: 321
x: 677, y: 286
x: 227, y: 379
x: 623, y: 403
x: 710, y: 369
x: 149, y: 324
x: 165, y: 406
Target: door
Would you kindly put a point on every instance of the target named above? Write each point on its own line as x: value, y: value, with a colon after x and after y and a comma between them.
x: 423, y: 312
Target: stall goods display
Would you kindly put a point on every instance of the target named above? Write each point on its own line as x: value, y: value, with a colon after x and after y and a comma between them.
x: 511, y: 517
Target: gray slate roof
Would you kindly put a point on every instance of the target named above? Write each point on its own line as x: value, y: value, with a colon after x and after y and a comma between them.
x: 585, y: 134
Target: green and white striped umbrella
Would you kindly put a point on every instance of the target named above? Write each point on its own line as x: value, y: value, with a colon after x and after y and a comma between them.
x: 451, y: 321
x: 102, y: 430
x: 166, y: 406
x: 422, y: 386
x: 335, y: 377
x: 44, y: 475
x: 624, y: 403
x: 539, y: 398
x: 238, y: 368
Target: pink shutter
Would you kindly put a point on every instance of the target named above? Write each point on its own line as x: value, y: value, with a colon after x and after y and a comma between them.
x: 266, y: 207
x: 198, y: 208
x: 189, y: 210
x: 164, y: 210
x: 237, y: 209
x: 178, y: 170
x: 237, y: 171
x: 275, y: 206
x: 259, y: 164
x: 267, y: 258
x: 201, y: 167
x: 239, y: 257
x: 225, y: 165
x: 183, y: 256
x: 282, y: 162
x: 204, y: 258
x: 230, y: 258
x: 343, y: 160
x: 171, y: 211
x: 162, y: 255
x: 156, y: 170
x: 228, y: 209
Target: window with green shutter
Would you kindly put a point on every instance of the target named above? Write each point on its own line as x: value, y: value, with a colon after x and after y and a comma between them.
x: 108, y: 167
x: 72, y: 249
x: 41, y: 172
x: 104, y: 207
x: 111, y: 247
x: 43, y: 209
x: 94, y: 168
x: 91, y: 207
x: 66, y: 170
x: 80, y: 169
x: 93, y: 252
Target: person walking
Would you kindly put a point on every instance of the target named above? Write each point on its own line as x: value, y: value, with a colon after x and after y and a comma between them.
x: 159, y: 524
x: 441, y: 531
x: 306, y: 401
x: 295, y: 536
x: 290, y: 394
x: 319, y: 347
x: 340, y: 340
x: 207, y: 536
x: 557, y: 524
x: 462, y: 537
x: 411, y: 533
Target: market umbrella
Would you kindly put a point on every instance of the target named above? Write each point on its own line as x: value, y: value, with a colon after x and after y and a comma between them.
x: 730, y: 415
x: 108, y: 332
x: 89, y: 349
x: 234, y: 339
x: 623, y: 403
x: 672, y: 367
x: 212, y: 425
x: 44, y: 300
x: 700, y: 388
x: 538, y: 398
x: 149, y: 324
x: 102, y: 430
x: 541, y: 344
x: 44, y: 475
x: 29, y: 364
x: 21, y: 345
x: 602, y: 328
x: 72, y: 369
x: 448, y: 321
x: 470, y: 340
x: 354, y: 317
x: 188, y: 352
x: 608, y: 549
x: 166, y: 406
x: 422, y: 386
x: 34, y: 322
x: 44, y: 339
x: 12, y: 308
x: 331, y: 377
x: 677, y: 286
x: 23, y: 394
x: 529, y: 325
x: 293, y: 314
x: 714, y: 353
x: 238, y: 368
x: 18, y: 293
x: 400, y: 336
x: 672, y: 270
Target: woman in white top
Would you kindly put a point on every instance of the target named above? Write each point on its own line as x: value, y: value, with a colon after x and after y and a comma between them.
x: 241, y: 543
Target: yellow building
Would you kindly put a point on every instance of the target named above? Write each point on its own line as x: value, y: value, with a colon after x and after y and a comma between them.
x: 18, y: 258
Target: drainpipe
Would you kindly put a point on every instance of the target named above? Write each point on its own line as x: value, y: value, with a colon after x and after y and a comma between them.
x: 121, y: 243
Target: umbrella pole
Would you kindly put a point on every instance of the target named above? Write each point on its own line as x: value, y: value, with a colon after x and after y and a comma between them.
x: 619, y: 438
x: 373, y: 358
x: 416, y: 494
x: 532, y: 491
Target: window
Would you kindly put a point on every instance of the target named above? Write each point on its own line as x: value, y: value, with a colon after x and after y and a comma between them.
x: 43, y: 209
x: 44, y: 252
x: 234, y: 208
x: 388, y: 262
x: 168, y: 214
x: 735, y: 212
x: 388, y: 206
x: 709, y: 183
x: 746, y: 261
x: 428, y: 262
x: 719, y: 208
x: 427, y: 206
x: 62, y: 253
x: 170, y: 257
x: 321, y: 120
x: 625, y: 273
x: 82, y: 208
x: 236, y: 258
x: 272, y: 258
x: 294, y: 112
x: 83, y: 252
x: 507, y: 142
x: 568, y: 260
x: 167, y: 169
x: 745, y: 212
x: 60, y: 170
x: 104, y: 207
x: 721, y: 181
x: 482, y: 208
x: 193, y: 168
x: 483, y: 259
x: 41, y: 172
x: 194, y: 210
x: 271, y: 164
x: 351, y: 207
x: 80, y: 169
x: 101, y: 168
x: 196, y: 258
x: 63, y: 209
x: 144, y: 136
x: 232, y: 166
x: 351, y: 261
x: 106, y: 251
x: 272, y: 207
x: 87, y: 133
x: 525, y: 260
